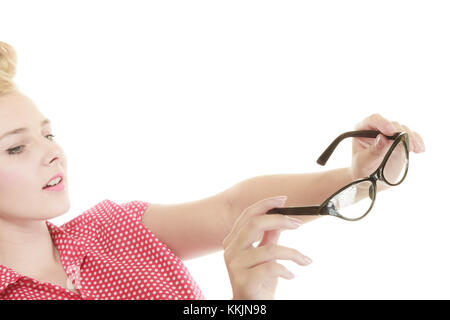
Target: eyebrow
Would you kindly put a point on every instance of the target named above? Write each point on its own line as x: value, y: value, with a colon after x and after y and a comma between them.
x: 20, y: 130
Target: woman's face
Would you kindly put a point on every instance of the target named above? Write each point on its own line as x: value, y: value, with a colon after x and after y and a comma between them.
x: 28, y: 160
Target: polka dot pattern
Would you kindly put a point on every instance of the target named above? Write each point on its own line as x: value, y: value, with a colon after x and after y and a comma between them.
x: 109, y: 254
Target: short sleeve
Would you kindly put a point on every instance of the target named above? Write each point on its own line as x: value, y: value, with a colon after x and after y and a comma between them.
x: 121, y: 242
x: 135, y: 209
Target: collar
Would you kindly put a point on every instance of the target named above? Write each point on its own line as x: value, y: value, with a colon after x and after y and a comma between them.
x: 72, y: 252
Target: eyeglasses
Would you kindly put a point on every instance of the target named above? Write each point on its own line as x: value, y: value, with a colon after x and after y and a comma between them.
x: 355, y: 200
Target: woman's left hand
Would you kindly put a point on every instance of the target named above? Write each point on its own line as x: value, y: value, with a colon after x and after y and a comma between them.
x: 367, y: 153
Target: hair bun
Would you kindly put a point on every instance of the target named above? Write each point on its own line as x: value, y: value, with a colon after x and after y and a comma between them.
x: 8, y: 64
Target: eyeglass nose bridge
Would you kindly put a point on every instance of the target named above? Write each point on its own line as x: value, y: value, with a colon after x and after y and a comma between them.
x: 377, y: 175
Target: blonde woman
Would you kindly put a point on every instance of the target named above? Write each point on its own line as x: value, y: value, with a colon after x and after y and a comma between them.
x: 134, y: 250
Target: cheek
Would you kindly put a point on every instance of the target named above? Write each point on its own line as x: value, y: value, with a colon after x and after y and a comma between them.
x: 11, y: 178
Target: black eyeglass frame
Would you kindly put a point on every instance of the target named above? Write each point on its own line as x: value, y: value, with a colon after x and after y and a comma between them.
x: 327, y: 207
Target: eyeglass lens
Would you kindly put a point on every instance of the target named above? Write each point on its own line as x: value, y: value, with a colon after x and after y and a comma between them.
x: 397, y: 164
x: 354, y: 201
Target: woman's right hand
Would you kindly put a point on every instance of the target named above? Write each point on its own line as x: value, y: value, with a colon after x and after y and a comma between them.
x: 253, y: 271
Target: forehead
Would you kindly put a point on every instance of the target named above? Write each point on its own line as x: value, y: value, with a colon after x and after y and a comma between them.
x: 18, y: 110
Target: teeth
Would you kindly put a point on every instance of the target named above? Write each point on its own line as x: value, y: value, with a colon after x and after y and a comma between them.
x: 54, y: 181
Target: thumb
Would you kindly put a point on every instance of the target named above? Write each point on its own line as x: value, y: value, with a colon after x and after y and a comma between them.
x: 376, y: 150
x: 257, y: 208
x: 367, y: 160
x: 264, y: 205
x: 380, y: 142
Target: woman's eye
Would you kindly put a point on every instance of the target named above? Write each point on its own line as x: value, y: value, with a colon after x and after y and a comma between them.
x: 13, y: 150
x: 16, y: 149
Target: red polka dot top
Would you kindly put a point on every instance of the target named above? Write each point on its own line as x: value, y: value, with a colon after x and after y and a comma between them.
x: 108, y: 253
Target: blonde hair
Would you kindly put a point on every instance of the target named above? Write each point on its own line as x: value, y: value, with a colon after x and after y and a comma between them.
x: 8, y: 65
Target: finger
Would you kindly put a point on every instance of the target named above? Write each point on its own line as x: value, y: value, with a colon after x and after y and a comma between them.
x: 271, y: 236
x: 413, y: 143
x: 365, y: 142
x: 377, y: 122
x: 419, y: 138
x: 371, y: 158
x: 399, y: 128
x: 251, y: 231
x: 258, y: 208
x: 381, y: 145
x: 272, y: 270
x: 273, y: 252
x: 374, y: 122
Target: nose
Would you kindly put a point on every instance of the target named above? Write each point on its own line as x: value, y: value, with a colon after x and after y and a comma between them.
x: 55, y: 153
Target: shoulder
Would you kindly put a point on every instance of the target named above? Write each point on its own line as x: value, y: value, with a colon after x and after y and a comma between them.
x: 105, y: 214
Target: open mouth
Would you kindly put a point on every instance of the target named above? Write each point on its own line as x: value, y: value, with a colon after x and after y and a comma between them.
x: 53, y: 183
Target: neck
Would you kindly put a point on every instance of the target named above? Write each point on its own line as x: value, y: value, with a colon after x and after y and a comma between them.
x: 27, y: 247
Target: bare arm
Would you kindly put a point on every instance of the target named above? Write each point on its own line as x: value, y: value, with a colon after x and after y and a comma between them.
x: 190, y: 229
x: 303, y: 189
x: 197, y: 228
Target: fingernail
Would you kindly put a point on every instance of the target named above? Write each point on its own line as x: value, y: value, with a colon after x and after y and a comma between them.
x: 377, y: 141
x: 422, y: 146
x: 294, y: 221
x: 307, y: 260
x: 279, y: 200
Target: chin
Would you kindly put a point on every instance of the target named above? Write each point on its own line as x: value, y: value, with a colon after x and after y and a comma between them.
x: 56, y: 209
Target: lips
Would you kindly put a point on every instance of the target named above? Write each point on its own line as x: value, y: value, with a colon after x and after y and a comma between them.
x: 55, y: 176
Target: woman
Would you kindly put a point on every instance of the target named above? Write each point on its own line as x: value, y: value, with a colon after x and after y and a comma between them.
x: 134, y: 250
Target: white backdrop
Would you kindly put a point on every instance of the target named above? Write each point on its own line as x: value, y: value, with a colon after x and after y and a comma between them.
x: 174, y: 101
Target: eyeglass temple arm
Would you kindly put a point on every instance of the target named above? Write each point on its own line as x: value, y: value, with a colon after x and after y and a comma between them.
x: 356, y: 134
x: 302, y: 211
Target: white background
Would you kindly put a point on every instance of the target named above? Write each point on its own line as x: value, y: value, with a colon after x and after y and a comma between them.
x: 174, y: 101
